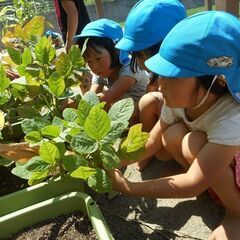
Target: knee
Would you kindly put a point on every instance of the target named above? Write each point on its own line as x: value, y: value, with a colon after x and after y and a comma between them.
x: 172, y: 137
x: 192, y: 143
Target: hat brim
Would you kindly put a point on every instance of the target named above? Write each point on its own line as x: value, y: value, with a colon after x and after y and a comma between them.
x: 162, y: 67
x: 130, y: 45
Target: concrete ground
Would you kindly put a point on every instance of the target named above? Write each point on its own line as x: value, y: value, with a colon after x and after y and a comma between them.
x: 131, y: 218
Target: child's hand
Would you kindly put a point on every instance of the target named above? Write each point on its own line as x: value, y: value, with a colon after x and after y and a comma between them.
x: 119, y: 183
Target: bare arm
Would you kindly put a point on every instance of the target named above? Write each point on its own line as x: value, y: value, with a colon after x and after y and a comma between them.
x: 96, y: 88
x: 207, y: 168
x: 117, y: 90
x: 72, y: 21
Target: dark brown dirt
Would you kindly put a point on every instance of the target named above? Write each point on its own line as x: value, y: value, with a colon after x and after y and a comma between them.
x: 66, y: 227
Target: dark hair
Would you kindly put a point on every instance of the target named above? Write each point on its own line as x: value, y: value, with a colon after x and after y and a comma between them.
x: 148, y: 51
x: 98, y: 43
x: 217, y: 88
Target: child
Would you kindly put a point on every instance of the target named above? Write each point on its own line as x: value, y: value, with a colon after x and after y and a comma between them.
x: 146, y: 26
x: 110, y: 67
x: 200, y: 121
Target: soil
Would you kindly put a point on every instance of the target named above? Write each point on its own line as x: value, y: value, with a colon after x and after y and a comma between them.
x: 65, y: 227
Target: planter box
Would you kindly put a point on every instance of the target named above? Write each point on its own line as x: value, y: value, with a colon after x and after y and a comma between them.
x: 38, y: 193
x: 64, y: 204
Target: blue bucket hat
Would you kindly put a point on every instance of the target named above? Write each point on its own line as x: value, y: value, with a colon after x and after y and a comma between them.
x: 104, y: 28
x: 149, y: 22
x: 207, y: 43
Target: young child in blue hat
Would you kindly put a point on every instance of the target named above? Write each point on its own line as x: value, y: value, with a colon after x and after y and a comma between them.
x: 110, y: 66
x: 200, y: 118
x: 146, y: 26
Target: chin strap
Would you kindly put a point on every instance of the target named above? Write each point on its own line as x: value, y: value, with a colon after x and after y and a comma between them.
x: 206, y: 95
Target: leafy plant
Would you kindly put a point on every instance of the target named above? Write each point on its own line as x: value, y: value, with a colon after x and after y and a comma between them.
x: 46, y: 80
x: 84, y: 143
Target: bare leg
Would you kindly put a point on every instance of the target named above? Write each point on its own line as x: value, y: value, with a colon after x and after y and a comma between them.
x: 225, y: 188
x: 149, y: 110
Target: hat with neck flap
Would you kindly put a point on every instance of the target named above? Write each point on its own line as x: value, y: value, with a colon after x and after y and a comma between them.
x: 206, y: 43
x: 148, y: 23
x: 105, y: 28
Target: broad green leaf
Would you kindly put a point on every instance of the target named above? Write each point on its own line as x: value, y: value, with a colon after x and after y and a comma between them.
x: 27, y: 112
x: 91, y: 98
x: 4, y: 97
x: 38, y: 177
x: 122, y: 110
x: 115, y: 132
x: 49, y: 153
x: 63, y: 64
x: 15, y: 55
x: 100, y: 181
x: 33, y: 137
x: 21, y: 172
x: 70, y: 114
x: 83, y: 144
x: 36, y: 164
x: 51, y: 131
x: 29, y: 125
x: 109, y: 157
x: 83, y: 111
x: 58, y: 122
x: 41, y: 122
x: 44, y: 51
x: 26, y: 57
x: 83, y: 172
x: 76, y: 57
x: 34, y: 27
x: 97, y: 124
x: 133, y: 147
x: 56, y: 84
x: 5, y: 82
x: 72, y: 162
x: 5, y: 162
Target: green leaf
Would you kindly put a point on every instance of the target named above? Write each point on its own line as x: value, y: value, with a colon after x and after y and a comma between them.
x: 5, y: 162
x: 100, y: 181
x: 49, y: 153
x: 33, y: 137
x: 109, y: 157
x: 63, y: 64
x: 38, y: 177
x: 133, y: 147
x: 27, y: 112
x: 34, y: 27
x: 97, y: 124
x: 70, y: 114
x: 41, y: 122
x: 51, y: 131
x: 76, y: 57
x: 15, y: 55
x: 83, y: 172
x: 83, y: 111
x: 56, y: 84
x: 72, y: 162
x: 28, y: 125
x: 36, y: 164
x: 83, y: 144
x: 91, y: 98
x: 21, y: 172
x: 122, y: 110
x: 4, y: 97
x: 26, y: 57
x: 116, y: 131
x: 44, y: 51
x: 5, y: 82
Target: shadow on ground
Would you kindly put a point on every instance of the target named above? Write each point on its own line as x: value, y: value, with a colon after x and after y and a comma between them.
x: 131, y: 218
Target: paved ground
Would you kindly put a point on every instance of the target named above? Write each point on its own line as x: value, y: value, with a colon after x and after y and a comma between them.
x: 132, y: 218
